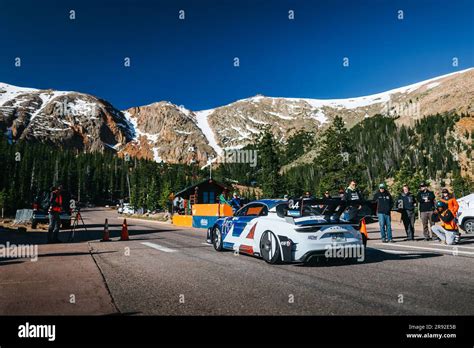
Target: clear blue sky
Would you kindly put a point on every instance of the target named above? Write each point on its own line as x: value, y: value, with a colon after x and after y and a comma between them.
x: 190, y: 62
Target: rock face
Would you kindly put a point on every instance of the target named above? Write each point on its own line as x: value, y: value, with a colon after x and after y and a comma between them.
x: 165, y: 132
x: 65, y: 119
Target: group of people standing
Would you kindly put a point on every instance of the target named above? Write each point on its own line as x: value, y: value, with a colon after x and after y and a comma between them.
x: 431, y: 211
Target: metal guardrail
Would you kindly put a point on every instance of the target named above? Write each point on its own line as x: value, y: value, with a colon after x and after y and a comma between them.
x: 23, y: 216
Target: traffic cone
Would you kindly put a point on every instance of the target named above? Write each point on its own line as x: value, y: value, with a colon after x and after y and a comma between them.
x: 363, y: 228
x: 106, y: 235
x: 124, y: 235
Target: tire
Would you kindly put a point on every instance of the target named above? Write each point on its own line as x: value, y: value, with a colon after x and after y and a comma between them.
x: 270, y: 248
x: 469, y: 225
x: 216, y: 237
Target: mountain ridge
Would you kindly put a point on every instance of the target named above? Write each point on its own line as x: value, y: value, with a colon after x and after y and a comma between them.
x: 163, y: 131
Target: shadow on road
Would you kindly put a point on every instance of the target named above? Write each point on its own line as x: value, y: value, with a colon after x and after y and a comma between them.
x: 371, y: 256
x: 80, y: 235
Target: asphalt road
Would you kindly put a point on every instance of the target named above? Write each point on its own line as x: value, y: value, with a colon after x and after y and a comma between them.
x: 165, y: 270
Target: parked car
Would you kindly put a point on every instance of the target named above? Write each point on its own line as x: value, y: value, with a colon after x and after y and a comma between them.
x: 40, y: 209
x: 465, y: 214
x: 126, y: 209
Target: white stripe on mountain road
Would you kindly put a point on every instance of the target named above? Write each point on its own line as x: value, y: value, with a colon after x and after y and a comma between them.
x: 451, y: 251
x: 159, y: 247
x: 457, y: 245
x: 394, y: 251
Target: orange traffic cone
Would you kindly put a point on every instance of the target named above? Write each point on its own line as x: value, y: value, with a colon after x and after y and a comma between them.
x: 363, y: 229
x: 106, y: 235
x: 124, y: 235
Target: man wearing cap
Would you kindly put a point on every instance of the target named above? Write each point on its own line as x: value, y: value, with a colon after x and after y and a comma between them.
x: 426, y: 201
x: 447, y: 230
x: 384, y: 206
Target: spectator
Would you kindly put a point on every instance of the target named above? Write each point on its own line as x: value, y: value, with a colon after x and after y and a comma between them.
x: 352, y: 192
x: 327, y: 195
x: 235, y: 202
x: 450, y: 200
x: 178, y: 204
x: 447, y: 231
x: 406, y: 206
x: 426, y: 201
x: 223, y: 197
x: 55, y: 208
x: 384, y: 202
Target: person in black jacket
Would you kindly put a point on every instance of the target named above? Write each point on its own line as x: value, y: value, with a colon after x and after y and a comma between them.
x: 406, y: 206
x: 384, y: 206
x: 426, y: 201
x: 352, y: 192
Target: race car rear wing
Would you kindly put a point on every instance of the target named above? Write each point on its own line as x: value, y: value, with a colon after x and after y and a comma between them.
x: 312, y: 211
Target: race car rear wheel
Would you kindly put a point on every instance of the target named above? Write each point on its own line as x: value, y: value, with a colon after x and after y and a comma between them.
x: 216, y: 236
x: 269, y: 248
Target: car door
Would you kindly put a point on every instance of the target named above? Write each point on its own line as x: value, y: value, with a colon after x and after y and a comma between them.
x: 245, y: 215
x: 240, y: 221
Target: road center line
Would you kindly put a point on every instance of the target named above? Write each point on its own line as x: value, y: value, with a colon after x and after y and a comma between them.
x: 159, y: 247
x: 450, y: 251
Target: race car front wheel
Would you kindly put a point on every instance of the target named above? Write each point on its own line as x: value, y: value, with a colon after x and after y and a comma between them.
x: 217, y: 239
x: 269, y: 248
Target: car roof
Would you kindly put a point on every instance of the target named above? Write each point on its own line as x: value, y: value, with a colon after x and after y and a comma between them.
x: 270, y: 203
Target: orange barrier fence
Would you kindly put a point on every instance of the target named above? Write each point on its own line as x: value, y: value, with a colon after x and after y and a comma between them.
x: 183, y: 220
x: 212, y: 210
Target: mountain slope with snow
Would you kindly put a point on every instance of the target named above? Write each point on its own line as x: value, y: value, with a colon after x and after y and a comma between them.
x: 163, y: 131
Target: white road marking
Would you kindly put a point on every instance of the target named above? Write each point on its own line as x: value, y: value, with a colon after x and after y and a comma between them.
x: 457, y: 245
x: 206, y: 244
x: 451, y: 251
x: 159, y: 247
x: 394, y: 251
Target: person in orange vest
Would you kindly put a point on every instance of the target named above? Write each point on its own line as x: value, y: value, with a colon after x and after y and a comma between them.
x: 55, y: 208
x: 449, y: 199
x: 447, y: 231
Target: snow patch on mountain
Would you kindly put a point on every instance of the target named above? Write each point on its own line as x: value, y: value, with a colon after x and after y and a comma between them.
x: 203, y: 124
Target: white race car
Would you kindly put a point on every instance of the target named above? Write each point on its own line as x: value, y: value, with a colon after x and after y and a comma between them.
x: 295, y: 230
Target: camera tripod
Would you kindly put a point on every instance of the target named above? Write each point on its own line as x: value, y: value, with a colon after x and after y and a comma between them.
x: 77, y: 218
